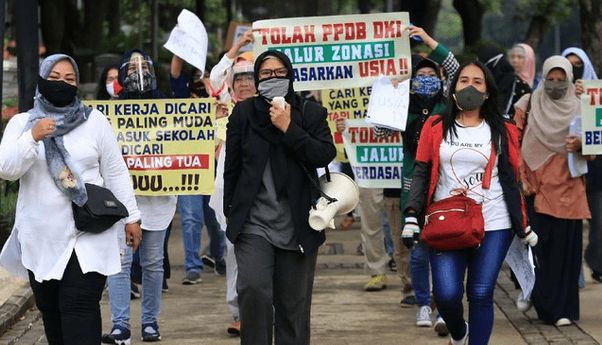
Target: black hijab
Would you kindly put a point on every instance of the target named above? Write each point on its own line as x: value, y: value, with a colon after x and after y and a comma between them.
x: 261, y: 123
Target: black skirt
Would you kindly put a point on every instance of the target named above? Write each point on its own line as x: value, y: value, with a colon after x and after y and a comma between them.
x: 558, y: 252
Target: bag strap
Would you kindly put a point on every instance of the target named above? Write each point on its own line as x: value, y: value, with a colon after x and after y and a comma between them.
x: 309, y: 176
x: 489, y: 169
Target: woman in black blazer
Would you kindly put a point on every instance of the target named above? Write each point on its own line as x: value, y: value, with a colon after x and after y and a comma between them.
x: 267, y: 197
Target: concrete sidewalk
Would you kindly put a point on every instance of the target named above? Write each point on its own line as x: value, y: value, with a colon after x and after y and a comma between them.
x: 342, y: 314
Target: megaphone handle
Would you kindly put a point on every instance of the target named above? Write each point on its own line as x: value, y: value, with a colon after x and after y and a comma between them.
x: 317, y: 186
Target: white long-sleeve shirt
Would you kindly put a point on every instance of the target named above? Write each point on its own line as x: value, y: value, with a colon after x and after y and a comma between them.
x: 218, y: 76
x: 44, y: 235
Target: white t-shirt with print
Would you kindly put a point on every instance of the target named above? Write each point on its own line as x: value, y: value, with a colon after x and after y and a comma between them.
x: 462, y: 166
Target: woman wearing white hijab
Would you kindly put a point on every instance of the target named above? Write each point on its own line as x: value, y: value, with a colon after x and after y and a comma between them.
x: 558, y: 200
x: 584, y: 70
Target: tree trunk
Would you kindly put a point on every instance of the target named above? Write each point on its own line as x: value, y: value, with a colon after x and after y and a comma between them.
x: 95, y: 13
x: 27, y: 51
x: 471, y: 12
x: 2, y: 24
x: 538, y: 27
x: 114, y: 18
x: 422, y: 13
x: 364, y: 6
x: 52, y: 15
x: 200, y: 10
x: 591, y: 31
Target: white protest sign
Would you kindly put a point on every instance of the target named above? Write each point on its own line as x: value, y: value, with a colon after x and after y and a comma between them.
x: 388, y: 106
x: 240, y: 31
x: 189, y: 40
x: 520, y: 259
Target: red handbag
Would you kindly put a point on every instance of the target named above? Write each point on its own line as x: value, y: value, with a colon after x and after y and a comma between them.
x: 456, y: 222
x: 453, y: 223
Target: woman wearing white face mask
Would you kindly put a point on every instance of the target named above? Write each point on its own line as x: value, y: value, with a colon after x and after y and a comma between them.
x: 558, y: 199
x: 108, y: 86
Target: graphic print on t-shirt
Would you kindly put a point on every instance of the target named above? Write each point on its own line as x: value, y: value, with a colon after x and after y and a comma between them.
x: 463, y: 159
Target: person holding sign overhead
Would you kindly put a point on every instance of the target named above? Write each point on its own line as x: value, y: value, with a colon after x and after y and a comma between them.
x: 53, y: 149
x: 271, y: 154
x: 137, y: 76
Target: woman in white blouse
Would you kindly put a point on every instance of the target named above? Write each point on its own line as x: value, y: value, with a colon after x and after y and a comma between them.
x: 53, y: 149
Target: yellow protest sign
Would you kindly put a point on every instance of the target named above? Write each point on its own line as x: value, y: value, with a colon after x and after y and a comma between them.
x: 344, y: 104
x: 168, y: 145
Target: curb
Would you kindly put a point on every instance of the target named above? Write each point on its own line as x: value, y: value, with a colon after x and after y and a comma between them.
x: 15, y: 306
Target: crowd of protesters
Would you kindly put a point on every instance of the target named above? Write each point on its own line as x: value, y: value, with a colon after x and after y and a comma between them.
x: 256, y: 219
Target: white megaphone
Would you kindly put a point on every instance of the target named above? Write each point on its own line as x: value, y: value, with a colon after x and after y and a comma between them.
x: 344, y: 195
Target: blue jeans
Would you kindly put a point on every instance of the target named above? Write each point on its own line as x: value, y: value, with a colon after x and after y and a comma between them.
x: 420, y: 271
x: 388, y: 237
x: 151, y: 261
x: 194, y: 211
x: 119, y: 286
x: 483, y: 266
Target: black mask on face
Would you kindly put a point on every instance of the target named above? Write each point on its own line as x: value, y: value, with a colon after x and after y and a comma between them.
x: 198, y: 88
x: 469, y: 98
x: 57, y: 92
x: 578, y: 72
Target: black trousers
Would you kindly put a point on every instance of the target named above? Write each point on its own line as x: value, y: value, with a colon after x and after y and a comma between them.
x: 70, y: 306
x: 272, y: 280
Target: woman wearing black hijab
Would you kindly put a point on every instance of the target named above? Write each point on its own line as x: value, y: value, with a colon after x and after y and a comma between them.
x: 267, y: 196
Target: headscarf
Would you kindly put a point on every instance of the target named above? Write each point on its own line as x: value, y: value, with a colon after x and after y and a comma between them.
x: 261, y: 122
x: 62, y: 169
x: 549, y: 119
x: 528, y: 72
x: 242, y: 66
x: 589, y: 73
x: 153, y: 93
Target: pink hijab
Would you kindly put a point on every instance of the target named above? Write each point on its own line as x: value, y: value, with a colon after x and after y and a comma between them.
x: 528, y: 72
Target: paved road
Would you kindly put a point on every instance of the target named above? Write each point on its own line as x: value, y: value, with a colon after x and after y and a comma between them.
x: 343, y: 314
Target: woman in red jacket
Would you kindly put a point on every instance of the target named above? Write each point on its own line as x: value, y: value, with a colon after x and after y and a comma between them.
x: 452, y: 156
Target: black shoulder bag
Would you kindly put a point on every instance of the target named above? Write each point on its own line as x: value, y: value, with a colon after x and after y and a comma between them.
x: 100, y: 212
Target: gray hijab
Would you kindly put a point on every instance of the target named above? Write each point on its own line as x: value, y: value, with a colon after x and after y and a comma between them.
x: 61, y: 167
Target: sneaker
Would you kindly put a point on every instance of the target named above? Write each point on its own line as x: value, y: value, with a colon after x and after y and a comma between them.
x: 461, y: 341
x: 523, y: 304
x: 562, y: 322
x: 597, y: 276
x: 441, y: 327
x: 150, y: 332
x: 119, y: 335
x: 134, y: 291
x: 208, y: 261
x: 409, y: 302
x: 392, y: 266
x: 164, y: 288
x: 376, y: 283
x: 359, y: 250
x: 191, y: 278
x: 234, y: 328
x: 220, y: 267
x: 423, y: 316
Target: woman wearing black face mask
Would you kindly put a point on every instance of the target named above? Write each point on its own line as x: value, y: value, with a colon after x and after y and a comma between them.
x: 267, y: 196
x: 558, y: 199
x: 584, y: 70
x: 471, y: 150
x: 54, y: 149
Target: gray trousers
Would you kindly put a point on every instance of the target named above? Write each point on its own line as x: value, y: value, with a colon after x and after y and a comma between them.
x: 274, y: 292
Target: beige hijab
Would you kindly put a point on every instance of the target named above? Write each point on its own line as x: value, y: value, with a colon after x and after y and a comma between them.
x: 549, y: 119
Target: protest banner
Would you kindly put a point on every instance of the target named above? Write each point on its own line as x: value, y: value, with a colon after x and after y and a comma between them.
x: 188, y: 40
x: 591, y: 113
x: 344, y: 104
x: 235, y: 32
x: 330, y: 50
x: 388, y: 105
x: 168, y: 145
x: 376, y: 161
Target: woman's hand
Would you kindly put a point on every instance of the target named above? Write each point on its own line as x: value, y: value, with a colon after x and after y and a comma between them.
x: 245, y: 39
x: 281, y: 118
x: 133, y: 235
x: 418, y: 31
x: 579, y: 89
x: 340, y: 124
x: 221, y: 110
x: 530, y: 238
x: 43, y: 128
x: 573, y: 143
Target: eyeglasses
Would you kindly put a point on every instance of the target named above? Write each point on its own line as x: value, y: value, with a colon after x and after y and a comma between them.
x: 279, y: 72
